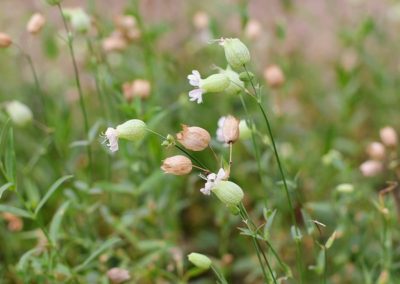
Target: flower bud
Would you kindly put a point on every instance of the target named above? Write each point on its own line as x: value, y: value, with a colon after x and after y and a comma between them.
x: 215, y: 83
x: 5, y: 40
x: 228, y: 192
x: 230, y: 129
x: 118, y: 275
x: 235, y: 84
x: 132, y: 130
x: 376, y: 151
x: 274, y: 76
x: 177, y: 165
x: 200, y: 260
x: 236, y: 52
x: 35, y: 23
x: 127, y: 25
x: 138, y: 88
x: 80, y: 21
x: 244, y: 130
x: 388, y: 136
x: 371, y: 168
x: 193, y: 138
x: 345, y: 188
x: 19, y: 113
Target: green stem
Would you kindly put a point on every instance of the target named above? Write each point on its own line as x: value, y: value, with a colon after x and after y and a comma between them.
x: 78, y: 85
x: 220, y: 276
x: 278, y: 160
x: 251, y: 123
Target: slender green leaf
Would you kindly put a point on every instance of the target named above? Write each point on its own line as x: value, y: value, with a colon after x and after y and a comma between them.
x: 23, y: 261
x: 4, y: 136
x: 5, y: 187
x: 16, y: 211
x: 56, y: 222
x: 330, y: 241
x: 9, y: 157
x: 105, y: 246
x: 49, y: 193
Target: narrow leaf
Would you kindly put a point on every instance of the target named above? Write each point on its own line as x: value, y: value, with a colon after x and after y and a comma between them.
x: 5, y: 187
x: 3, y: 136
x: 21, y: 266
x: 108, y: 244
x: 330, y: 241
x: 56, y: 222
x: 52, y: 189
x: 16, y: 211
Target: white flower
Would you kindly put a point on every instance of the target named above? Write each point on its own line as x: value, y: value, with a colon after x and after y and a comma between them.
x: 212, y: 179
x: 112, y: 137
x: 195, y: 80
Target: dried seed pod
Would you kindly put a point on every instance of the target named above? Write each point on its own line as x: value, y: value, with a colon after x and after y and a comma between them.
x: 371, y: 168
x: 138, y: 88
x: 36, y: 23
x: 118, y: 275
x: 376, y: 151
x: 177, y: 165
x: 5, y: 40
x: 388, y: 136
x: 230, y: 129
x: 194, y: 138
x: 274, y: 76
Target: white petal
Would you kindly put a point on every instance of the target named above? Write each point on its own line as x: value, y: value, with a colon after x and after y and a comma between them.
x: 220, y: 136
x: 221, y: 174
x: 112, y: 137
x: 194, y: 78
x: 196, y: 95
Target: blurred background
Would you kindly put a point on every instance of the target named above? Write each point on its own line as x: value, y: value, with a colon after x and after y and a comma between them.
x: 334, y: 84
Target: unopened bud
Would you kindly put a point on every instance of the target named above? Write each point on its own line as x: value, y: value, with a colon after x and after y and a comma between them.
x: 376, y: 151
x: 244, y: 130
x: 177, y: 165
x: 118, y: 275
x: 388, y: 136
x: 215, y: 83
x: 274, y: 76
x: 371, y: 168
x: 236, y: 52
x: 235, y: 84
x: 170, y: 141
x: 230, y: 129
x: 228, y: 193
x: 19, y: 113
x: 194, y: 138
x: 200, y: 260
x: 5, y: 40
x: 35, y: 23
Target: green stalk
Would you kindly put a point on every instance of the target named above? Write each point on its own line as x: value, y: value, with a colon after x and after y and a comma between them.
x: 220, y: 276
x: 78, y: 85
x: 253, y: 138
x: 278, y: 160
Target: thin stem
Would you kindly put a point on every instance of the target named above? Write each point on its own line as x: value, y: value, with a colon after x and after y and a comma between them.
x: 292, y: 212
x: 253, y: 137
x: 213, y: 152
x: 220, y: 276
x: 326, y: 264
x: 78, y: 85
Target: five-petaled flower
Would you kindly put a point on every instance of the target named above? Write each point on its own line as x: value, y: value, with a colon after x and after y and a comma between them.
x: 212, y: 179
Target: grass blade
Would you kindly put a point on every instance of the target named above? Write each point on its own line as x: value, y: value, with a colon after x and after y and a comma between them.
x: 5, y: 187
x: 16, y: 211
x: 108, y: 244
x: 56, y: 222
x: 49, y: 193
